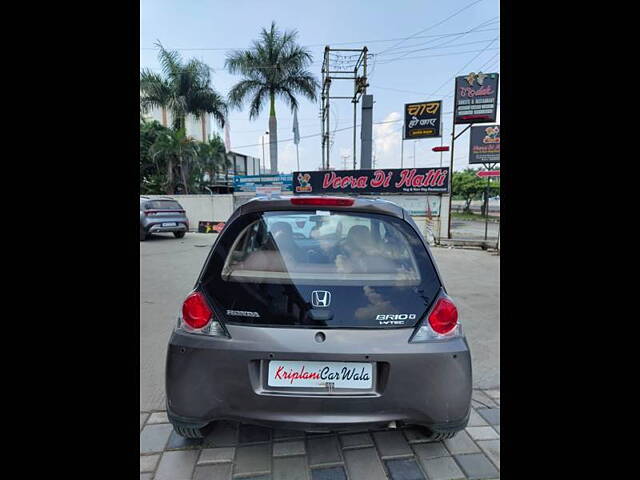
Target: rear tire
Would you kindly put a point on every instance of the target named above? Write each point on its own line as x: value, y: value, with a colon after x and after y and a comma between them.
x: 179, y: 234
x: 143, y: 234
x: 189, y: 432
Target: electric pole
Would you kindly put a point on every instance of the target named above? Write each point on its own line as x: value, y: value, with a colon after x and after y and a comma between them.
x: 342, y: 64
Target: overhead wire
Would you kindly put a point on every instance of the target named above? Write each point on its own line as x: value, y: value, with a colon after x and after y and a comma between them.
x: 463, y: 67
x: 434, y: 25
x: 404, y: 51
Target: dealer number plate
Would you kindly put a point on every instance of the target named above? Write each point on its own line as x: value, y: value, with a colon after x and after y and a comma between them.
x: 327, y: 375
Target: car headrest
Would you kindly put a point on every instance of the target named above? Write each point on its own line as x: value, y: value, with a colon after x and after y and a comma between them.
x: 281, y: 227
x: 359, y: 234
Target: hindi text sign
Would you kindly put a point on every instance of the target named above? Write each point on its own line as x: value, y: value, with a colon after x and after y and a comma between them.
x: 422, y: 120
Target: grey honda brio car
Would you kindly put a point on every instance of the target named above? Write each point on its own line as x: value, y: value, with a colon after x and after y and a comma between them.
x: 319, y: 313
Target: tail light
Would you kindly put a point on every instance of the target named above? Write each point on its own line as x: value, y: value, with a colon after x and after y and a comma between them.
x: 148, y: 213
x: 442, y: 322
x: 323, y: 201
x: 197, y: 317
x: 444, y: 316
x: 195, y: 311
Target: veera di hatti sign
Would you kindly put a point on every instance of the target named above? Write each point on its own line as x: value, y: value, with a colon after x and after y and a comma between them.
x: 388, y: 180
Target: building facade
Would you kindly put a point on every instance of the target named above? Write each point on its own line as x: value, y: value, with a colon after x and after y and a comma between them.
x: 197, y: 128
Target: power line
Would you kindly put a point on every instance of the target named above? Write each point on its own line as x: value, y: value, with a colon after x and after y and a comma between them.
x: 440, y: 35
x: 316, y: 134
x: 489, y: 61
x: 334, y: 132
x: 446, y: 44
x: 433, y: 26
x: 495, y: 62
x: 435, y: 47
x: 436, y: 55
x: 463, y: 67
x: 404, y: 51
x: 459, y: 34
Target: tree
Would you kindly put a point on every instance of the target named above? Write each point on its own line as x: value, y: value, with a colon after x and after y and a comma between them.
x: 184, y: 89
x: 156, y: 92
x: 274, y: 66
x: 176, y: 151
x: 213, y: 157
x: 152, y: 178
x: 467, y: 185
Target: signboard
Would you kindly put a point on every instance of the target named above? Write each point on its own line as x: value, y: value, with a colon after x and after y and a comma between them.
x: 248, y: 183
x: 210, y: 227
x: 388, y: 180
x: 476, y: 98
x: 488, y: 173
x: 484, y: 144
x: 268, y: 190
x: 422, y: 120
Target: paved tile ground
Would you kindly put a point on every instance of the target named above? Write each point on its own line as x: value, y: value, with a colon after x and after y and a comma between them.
x: 248, y: 452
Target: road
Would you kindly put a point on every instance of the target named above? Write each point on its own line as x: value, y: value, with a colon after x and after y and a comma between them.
x: 169, y: 268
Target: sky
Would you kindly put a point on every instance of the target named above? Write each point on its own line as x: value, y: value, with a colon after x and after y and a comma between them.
x: 418, y: 48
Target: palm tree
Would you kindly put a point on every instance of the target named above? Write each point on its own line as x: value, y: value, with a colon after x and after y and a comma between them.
x: 274, y: 66
x: 174, y: 148
x: 155, y: 92
x: 184, y: 89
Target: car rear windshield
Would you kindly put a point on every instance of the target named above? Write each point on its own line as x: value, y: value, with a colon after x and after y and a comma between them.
x: 162, y: 205
x: 321, y: 268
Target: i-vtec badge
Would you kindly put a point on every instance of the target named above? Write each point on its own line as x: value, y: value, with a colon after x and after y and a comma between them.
x: 395, y: 319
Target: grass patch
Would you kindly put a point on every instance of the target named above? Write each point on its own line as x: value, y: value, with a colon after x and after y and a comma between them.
x: 472, y: 216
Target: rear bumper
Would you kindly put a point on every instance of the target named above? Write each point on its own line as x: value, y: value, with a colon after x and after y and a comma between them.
x: 211, y: 378
x: 158, y: 228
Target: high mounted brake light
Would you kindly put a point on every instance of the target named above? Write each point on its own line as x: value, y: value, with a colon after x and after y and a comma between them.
x: 323, y: 201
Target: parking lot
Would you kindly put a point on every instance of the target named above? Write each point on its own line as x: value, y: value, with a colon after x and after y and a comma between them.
x: 168, y: 270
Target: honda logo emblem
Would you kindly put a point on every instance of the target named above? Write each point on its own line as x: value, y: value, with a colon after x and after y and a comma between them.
x: 320, y: 298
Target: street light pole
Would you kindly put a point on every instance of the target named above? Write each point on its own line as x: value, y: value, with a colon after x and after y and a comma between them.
x: 402, y: 147
x: 262, y: 137
x: 414, y: 153
x: 264, y: 163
